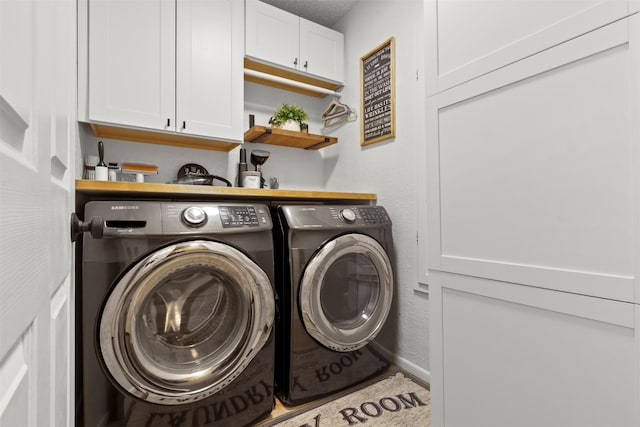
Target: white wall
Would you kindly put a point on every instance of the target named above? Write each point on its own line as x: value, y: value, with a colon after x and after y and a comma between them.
x: 389, y: 168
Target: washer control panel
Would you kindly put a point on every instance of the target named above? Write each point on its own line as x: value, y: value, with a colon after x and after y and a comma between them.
x: 194, y: 216
x: 348, y: 215
x: 238, y: 216
x: 202, y: 217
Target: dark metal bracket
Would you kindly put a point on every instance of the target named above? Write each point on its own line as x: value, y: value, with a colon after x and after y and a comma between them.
x: 267, y: 132
x: 311, y: 147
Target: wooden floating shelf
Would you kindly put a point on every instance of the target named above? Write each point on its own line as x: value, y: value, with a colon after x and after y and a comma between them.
x: 289, y: 74
x: 162, y: 138
x: 288, y: 138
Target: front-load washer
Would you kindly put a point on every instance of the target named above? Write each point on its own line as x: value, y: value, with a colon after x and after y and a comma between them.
x: 177, y: 310
x: 334, y: 277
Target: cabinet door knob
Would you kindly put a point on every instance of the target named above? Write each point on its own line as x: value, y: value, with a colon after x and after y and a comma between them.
x: 168, y: 122
x: 295, y: 62
x: 306, y: 64
x: 184, y: 125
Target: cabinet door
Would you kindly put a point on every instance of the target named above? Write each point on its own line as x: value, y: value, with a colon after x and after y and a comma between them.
x: 272, y: 34
x: 209, y: 85
x: 132, y: 62
x: 321, y: 51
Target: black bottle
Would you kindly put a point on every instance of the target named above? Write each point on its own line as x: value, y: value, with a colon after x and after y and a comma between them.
x: 242, y: 166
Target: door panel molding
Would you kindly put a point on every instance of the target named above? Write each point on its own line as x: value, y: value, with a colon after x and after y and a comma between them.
x: 564, y: 27
x: 607, y: 279
x: 62, y: 360
x: 16, y: 393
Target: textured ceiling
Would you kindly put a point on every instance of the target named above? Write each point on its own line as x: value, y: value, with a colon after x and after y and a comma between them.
x: 323, y: 12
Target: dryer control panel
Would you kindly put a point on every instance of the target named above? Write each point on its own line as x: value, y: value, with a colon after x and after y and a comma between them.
x: 335, y: 216
x: 369, y: 215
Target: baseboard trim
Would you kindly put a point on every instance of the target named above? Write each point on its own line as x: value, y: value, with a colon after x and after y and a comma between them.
x: 403, y: 363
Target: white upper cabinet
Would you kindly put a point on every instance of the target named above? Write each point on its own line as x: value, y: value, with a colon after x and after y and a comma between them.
x: 132, y: 63
x: 272, y: 34
x: 209, y: 70
x: 321, y: 50
x: 168, y: 65
x: 286, y: 40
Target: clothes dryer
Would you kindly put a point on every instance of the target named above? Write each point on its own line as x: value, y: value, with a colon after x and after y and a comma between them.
x: 334, y: 276
x: 176, y: 311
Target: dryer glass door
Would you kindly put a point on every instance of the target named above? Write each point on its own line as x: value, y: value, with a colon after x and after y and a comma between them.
x: 346, y: 292
x: 185, y: 321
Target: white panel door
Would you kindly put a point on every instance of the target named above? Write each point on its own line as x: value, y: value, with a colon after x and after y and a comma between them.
x: 210, y: 87
x: 132, y: 62
x: 272, y: 35
x: 508, y: 355
x: 37, y: 143
x: 519, y: 28
x: 321, y: 51
x: 533, y: 200
x: 534, y: 176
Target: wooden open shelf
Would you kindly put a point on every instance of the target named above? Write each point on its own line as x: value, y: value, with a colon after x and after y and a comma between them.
x: 288, y: 138
x: 290, y: 74
x: 163, y: 138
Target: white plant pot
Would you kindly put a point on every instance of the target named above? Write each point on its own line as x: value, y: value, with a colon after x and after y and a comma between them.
x: 291, y: 125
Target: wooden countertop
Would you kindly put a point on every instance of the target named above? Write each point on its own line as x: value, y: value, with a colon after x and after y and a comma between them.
x: 92, y: 190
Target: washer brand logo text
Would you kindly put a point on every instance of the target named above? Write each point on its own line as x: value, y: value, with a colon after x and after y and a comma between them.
x: 124, y: 207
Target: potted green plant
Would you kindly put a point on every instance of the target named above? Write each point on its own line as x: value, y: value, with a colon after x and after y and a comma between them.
x: 289, y: 117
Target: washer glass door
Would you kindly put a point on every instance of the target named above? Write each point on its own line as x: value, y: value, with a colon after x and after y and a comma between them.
x: 185, y: 321
x: 346, y: 292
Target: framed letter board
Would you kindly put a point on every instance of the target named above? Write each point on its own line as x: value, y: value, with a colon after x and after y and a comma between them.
x: 377, y: 98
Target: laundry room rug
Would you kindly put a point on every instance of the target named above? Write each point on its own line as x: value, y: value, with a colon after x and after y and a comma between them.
x: 391, y: 402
